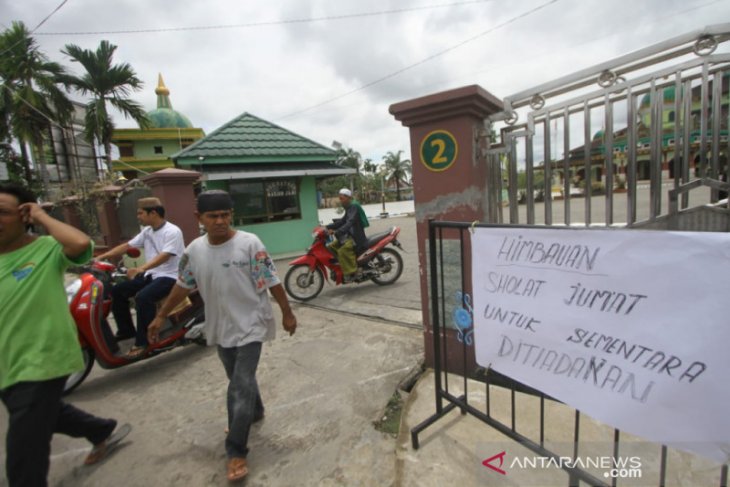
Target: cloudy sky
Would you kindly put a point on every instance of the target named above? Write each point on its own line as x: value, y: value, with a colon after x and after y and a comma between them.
x: 319, y: 77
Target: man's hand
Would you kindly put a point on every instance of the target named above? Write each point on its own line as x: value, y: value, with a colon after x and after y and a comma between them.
x: 31, y: 213
x: 131, y: 273
x: 290, y: 322
x: 153, y: 330
x: 74, y: 241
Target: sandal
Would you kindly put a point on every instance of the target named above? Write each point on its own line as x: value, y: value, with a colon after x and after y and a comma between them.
x: 237, y: 469
x: 136, y: 353
x: 105, y: 448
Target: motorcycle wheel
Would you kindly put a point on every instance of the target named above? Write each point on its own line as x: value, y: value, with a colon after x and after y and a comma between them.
x: 302, y: 284
x: 393, y: 263
x: 74, y: 380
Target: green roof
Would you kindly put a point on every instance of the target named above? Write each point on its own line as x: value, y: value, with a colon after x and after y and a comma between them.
x: 248, y: 138
x: 163, y: 118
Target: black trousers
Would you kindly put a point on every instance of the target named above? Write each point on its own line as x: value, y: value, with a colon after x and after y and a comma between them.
x: 146, y: 292
x: 36, y: 412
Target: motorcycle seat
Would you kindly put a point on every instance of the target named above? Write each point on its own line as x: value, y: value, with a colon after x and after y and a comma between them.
x: 374, y: 239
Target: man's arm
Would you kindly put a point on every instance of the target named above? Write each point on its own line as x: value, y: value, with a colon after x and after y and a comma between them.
x: 335, y: 224
x: 117, y: 251
x: 175, y: 297
x: 160, y: 259
x: 289, y: 320
x: 348, y: 221
x: 74, y: 241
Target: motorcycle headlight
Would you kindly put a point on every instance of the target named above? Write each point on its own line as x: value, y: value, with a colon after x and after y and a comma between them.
x: 72, y: 289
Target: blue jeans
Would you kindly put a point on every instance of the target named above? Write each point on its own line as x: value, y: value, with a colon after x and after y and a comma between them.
x: 244, y: 400
x: 146, y: 292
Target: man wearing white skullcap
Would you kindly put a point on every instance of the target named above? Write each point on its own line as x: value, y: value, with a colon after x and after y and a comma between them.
x: 350, y: 234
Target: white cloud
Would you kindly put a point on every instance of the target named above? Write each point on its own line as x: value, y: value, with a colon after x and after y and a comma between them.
x: 272, y: 71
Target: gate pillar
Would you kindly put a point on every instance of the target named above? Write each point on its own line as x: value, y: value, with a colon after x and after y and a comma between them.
x: 450, y: 176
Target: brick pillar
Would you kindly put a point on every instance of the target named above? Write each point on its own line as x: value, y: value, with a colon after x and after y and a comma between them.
x: 174, y: 187
x: 70, y: 211
x: 106, y: 209
x: 449, y: 183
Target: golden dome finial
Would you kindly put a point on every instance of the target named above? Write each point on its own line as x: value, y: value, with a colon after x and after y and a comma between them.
x: 161, y: 88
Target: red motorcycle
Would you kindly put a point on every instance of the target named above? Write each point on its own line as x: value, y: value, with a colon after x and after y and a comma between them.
x: 380, y: 264
x: 89, y: 299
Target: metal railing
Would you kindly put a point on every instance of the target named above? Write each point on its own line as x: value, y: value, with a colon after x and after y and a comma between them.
x: 629, y: 126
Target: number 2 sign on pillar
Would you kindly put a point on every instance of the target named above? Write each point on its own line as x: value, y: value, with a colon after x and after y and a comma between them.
x: 439, y: 150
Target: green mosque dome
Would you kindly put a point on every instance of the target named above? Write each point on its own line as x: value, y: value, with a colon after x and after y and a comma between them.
x: 668, y: 98
x: 164, y: 116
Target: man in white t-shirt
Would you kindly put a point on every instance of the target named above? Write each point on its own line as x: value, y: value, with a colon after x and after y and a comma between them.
x: 163, y: 246
x: 232, y: 271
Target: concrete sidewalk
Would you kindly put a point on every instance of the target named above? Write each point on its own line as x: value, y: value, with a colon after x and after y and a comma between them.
x: 323, y: 389
x: 452, y: 450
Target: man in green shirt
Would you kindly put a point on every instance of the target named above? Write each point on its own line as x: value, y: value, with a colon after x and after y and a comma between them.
x: 39, y: 345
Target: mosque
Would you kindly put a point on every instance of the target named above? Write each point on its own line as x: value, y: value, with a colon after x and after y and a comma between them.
x: 143, y: 151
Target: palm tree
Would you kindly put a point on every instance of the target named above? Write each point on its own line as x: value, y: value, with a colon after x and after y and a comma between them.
x: 30, y: 99
x: 349, y: 157
x: 396, y: 169
x: 369, y: 166
x: 106, y: 83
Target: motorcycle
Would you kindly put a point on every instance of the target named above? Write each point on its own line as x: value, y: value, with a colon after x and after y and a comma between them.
x: 380, y: 264
x: 89, y: 299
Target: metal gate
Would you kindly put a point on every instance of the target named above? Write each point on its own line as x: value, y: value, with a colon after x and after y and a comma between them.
x: 600, y: 147
x: 127, y: 211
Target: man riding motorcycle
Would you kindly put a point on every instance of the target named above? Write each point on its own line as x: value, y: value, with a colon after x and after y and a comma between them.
x: 349, y: 232
x: 163, y: 246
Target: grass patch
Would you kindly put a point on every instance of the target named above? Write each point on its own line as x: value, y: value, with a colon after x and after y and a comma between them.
x: 389, y: 422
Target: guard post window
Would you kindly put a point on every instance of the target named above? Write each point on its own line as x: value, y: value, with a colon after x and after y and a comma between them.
x: 264, y: 201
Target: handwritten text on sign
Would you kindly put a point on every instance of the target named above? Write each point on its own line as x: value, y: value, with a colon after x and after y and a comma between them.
x: 631, y: 327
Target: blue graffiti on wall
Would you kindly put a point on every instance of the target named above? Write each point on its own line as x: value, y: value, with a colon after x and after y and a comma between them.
x: 463, y: 318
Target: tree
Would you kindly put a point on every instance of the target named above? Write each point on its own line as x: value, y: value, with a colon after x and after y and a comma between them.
x: 107, y: 83
x: 31, y: 98
x: 349, y: 157
x: 15, y: 166
x: 370, y: 167
x: 396, y: 169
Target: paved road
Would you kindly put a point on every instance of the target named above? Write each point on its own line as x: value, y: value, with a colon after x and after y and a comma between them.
x: 322, y: 388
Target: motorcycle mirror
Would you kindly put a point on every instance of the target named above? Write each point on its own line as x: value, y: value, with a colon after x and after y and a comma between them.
x: 133, y: 252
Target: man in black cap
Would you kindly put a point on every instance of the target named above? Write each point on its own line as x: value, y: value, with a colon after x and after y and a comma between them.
x: 232, y: 271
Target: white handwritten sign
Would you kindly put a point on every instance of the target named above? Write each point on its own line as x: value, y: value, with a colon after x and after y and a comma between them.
x: 631, y: 327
